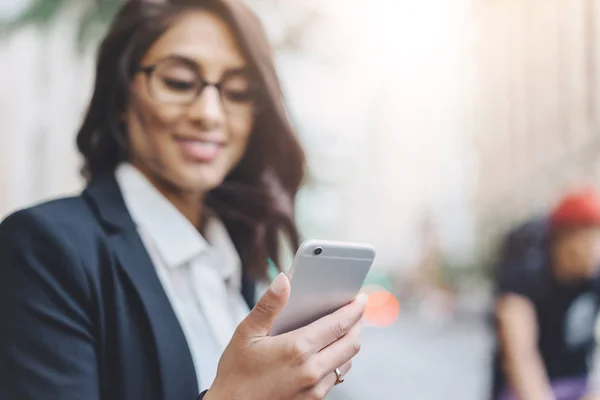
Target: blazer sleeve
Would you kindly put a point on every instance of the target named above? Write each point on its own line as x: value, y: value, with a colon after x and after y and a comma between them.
x: 47, y: 347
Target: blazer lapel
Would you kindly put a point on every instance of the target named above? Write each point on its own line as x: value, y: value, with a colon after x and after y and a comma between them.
x: 174, y: 357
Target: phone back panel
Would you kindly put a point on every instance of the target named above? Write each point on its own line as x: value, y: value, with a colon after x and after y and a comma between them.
x: 323, y: 283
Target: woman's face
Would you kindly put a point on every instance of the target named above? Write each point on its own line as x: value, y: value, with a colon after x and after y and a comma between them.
x: 188, y: 141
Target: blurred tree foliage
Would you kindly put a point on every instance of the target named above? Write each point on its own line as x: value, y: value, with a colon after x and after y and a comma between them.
x: 96, y: 15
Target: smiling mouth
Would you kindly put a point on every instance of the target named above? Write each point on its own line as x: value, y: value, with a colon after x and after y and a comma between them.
x: 200, y: 150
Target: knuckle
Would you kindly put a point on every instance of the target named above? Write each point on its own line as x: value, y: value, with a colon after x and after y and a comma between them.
x: 340, y: 329
x: 317, y: 394
x: 348, y: 366
x: 356, y: 345
x: 309, y: 378
x: 265, y: 306
x: 300, y: 352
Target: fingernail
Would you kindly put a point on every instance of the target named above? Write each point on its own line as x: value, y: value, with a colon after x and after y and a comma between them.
x: 278, y: 285
x: 362, y: 299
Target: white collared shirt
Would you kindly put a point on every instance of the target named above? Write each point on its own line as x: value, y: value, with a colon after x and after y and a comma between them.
x: 201, y: 277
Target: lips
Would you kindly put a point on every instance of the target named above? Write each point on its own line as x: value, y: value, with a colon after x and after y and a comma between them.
x: 200, y: 150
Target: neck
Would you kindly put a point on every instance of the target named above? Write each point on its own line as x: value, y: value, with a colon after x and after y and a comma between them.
x: 189, y: 203
x: 566, y: 272
x: 561, y: 274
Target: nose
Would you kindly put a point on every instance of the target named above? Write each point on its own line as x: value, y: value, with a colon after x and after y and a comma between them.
x: 207, y: 110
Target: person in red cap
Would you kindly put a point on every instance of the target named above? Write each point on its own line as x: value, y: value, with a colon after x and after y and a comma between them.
x: 548, y: 299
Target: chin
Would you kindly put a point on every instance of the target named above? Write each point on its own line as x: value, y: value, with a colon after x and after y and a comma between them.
x: 200, y: 179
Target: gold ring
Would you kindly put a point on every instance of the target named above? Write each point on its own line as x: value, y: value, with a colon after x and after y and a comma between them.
x: 338, y: 376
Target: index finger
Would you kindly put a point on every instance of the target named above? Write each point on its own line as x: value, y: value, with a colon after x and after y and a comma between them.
x: 334, y: 326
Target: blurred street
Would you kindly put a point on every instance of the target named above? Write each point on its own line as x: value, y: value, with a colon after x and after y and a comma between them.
x: 420, y: 360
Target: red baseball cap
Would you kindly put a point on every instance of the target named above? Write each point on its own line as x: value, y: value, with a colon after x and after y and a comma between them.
x: 578, y: 208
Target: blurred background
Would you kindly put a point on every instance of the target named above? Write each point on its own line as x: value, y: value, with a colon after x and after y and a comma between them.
x: 431, y: 128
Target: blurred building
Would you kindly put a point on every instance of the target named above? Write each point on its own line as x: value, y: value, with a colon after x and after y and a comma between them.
x: 535, y: 109
x: 373, y: 89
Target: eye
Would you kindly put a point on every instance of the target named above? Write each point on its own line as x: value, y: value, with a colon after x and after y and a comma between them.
x: 178, y: 84
x: 175, y: 77
x: 238, y: 89
x: 238, y: 96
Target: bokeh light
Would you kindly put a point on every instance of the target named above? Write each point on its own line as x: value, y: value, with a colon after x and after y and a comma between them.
x: 383, y: 309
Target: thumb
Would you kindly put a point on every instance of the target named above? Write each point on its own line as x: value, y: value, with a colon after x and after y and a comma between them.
x: 262, y: 316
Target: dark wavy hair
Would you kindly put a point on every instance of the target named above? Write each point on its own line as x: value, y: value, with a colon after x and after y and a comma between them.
x: 256, y: 200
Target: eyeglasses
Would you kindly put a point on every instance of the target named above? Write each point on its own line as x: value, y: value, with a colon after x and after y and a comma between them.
x: 176, y: 80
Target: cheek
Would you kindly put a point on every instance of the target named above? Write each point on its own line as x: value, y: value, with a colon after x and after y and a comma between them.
x: 149, y: 125
x: 149, y: 112
x: 588, y: 258
x: 240, y: 136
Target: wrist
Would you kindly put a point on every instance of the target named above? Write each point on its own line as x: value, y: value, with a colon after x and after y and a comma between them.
x: 216, y: 393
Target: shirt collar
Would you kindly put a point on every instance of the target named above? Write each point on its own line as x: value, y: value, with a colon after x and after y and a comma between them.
x: 176, y: 239
x: 229, y: 263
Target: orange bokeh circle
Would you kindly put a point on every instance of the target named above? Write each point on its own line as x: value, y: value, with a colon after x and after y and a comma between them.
x: 382, y: 310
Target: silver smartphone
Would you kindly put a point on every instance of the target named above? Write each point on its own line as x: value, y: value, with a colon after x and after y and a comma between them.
x: 325, y: 276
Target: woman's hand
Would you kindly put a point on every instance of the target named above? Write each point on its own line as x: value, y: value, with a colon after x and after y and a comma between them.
x: 293, y: 366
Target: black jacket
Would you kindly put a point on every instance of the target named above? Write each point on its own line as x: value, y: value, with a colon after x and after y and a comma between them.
x: 83, y: 314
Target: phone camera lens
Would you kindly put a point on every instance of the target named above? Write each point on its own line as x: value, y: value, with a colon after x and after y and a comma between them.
x: 318, y: 251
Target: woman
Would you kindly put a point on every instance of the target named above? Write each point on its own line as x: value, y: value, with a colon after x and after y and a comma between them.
x: 138, y: 287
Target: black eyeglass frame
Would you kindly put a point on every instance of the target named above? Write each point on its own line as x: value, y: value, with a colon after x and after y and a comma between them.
x: 148, y: 70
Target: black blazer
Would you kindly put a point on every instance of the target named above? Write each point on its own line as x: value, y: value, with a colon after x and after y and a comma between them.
x: 83, y: 314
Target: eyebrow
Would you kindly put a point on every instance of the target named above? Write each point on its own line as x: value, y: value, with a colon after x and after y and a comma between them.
x: 243, y: 70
